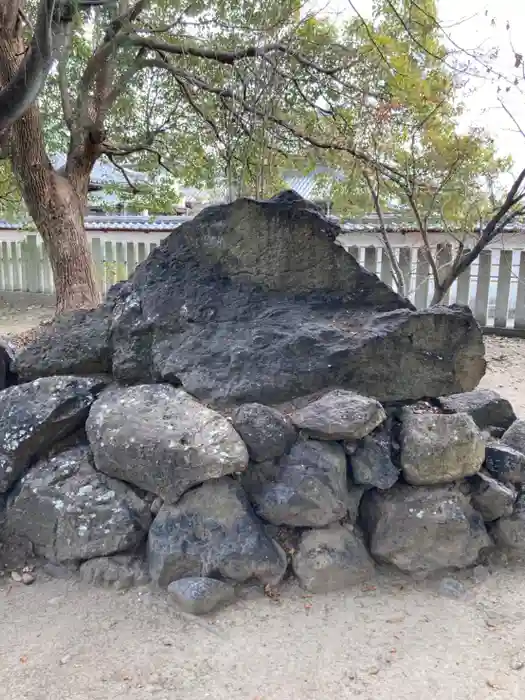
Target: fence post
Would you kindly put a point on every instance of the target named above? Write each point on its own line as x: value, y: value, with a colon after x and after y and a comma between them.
x: 371, y: 259
x: 98, y: 261
x: 503, y: 288
x: 519, y: 318
x: 482, y: 289
x: 32, y: 264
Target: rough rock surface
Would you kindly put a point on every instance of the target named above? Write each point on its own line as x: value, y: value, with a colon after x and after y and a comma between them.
x: 201, y: 595
x: 491, y: 498
x: 71, y: 512
x: 77, y: 342
x: 422, y: 530
x: 331, y: 559
x: 212, y: 531
x: 8, y: 376
x: 162, y: 440
x: 121, y: 572
x: 267, y: 433
x: 36, y: 415
x: 437, y: 449
x: 515, y: 436
x: 505, y: 463
x: 510, y: 531
x: 371, y: 461
x: 339, y: 415
x: 254, y: 301
x: 306, y: 488
x: 487, y: 408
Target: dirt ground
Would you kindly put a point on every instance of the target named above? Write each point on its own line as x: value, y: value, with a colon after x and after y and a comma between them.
x: 391, y: 639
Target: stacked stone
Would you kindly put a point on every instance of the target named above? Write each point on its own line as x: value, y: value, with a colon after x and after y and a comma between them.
x: 128, y: 483
x: 247, y: 407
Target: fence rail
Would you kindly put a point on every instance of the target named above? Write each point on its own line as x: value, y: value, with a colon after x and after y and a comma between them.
x: 494, y: 286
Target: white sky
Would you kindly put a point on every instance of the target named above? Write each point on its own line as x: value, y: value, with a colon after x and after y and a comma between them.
x: 470, y: 28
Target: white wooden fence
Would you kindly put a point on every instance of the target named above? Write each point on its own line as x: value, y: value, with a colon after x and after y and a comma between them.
x: 494, y: 286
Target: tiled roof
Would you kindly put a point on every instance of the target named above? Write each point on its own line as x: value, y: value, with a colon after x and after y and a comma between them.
x: 115, y: 222
x: 131, y: 222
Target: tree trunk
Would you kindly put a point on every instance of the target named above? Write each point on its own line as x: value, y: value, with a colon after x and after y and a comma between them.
x: 55, y: 205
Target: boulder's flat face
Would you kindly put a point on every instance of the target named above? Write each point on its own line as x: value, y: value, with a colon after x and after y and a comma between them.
x: 423, y: 530
x: 71, y: 512
x: 438, y: 449
x: 160, y: 439
x: 256, y: 302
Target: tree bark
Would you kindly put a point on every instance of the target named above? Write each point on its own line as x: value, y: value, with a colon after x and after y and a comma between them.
x: 55, y: 202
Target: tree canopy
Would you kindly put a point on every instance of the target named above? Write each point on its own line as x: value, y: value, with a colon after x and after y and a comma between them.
x: 235, y: 92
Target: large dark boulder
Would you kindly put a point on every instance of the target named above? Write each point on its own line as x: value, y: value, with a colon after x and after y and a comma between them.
x: 423, y: 530
x: 256, y: 302
x: 75, y: 343
x: 331, y: 559
x: 371, y: 459
x: 487, y: 408
x: 305, y: 488
x: 268, y: 434
x: 212, y: 531
x: 37, y: 415
x: 71, y: 512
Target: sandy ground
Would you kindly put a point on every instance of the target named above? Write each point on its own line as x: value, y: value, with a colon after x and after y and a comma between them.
x: 391, y: 639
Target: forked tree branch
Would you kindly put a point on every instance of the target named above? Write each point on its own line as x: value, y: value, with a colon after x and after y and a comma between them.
x: 25, y: 86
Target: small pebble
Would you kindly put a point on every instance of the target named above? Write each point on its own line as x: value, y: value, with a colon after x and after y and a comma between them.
x: 27, y: 578
x: 451, y: 588
x: 517, y: 662
x: 64, y: 660
x: 16, y: 576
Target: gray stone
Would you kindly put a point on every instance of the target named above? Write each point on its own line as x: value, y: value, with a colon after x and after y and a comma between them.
x: 332, y: 559
x: 487, y: 408
x: 201, y: 595
x: 452, y: 588
x: 371, y: 462
x: 121, y: 572
x: 256, y: 301
x: 355, y: 494
x: 491, y: 498
x: 505, y: 463
x: 71, y: 512
x: 37, y: 415
x: 77, y: 342
x: 212, y: 531
x: 267, y: 433
x: 515, y: 436
x: 306, y: 488
x: 510, y: 531
x: 8, y: 375
x: 162, y: 440
x: 437, y: 449
x: 340, y: 415
x: 423, y: 530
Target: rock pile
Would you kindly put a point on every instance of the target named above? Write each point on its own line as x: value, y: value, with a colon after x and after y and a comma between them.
x: 253, y: 405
